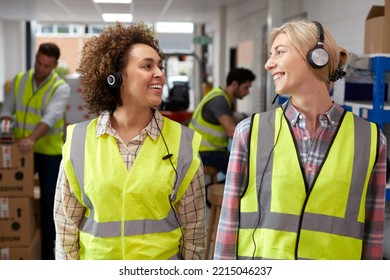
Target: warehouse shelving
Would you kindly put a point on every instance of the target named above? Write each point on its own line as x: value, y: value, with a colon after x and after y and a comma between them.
x: 377, y: 110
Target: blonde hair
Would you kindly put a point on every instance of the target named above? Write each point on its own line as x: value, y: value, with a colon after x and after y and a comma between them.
x: 304, y: 37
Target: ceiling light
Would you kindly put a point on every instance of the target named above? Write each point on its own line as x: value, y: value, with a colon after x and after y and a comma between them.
x: 174, y: 27
x: 110, y: 17
x: 113, y: 1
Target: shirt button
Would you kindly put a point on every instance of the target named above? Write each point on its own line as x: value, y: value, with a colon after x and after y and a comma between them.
x: 309, y: 169
x: 305, y: 138
x: 300, y: 117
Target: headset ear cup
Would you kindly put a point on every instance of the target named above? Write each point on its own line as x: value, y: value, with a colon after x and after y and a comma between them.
x: 318, y: 57
x: 114, y: 80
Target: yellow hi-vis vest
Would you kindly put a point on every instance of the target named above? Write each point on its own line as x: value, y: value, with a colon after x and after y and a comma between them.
x: 30, y: 108
x: 281, y: 218
x: 130, y: 214
x: 214, y: 137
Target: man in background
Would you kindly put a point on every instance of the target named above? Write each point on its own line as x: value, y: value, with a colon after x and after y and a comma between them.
x: 36, y: 104
x: 214, y: 117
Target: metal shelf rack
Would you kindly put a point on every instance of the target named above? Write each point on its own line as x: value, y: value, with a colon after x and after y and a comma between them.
x: 378, y: 111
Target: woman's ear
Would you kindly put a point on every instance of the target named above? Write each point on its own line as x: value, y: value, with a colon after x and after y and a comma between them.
x: 344, y: 56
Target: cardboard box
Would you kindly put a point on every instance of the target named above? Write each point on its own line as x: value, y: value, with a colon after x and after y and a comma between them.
x: 376, y: 36
x: 16, y: 172
x: 17, y: 221
x: 31, y: 252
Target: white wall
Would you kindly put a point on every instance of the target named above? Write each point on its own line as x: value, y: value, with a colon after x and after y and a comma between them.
x: 245, y: 25
x: 344, y: 18
x: 12, y: 51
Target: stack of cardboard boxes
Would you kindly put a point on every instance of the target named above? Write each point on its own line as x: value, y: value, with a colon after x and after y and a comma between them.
x: 357, y: 87
x: 376, y: 36
x: 20, y: 236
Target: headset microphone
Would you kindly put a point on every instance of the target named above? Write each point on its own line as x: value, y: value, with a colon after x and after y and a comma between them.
x: 276, y: 96
x: 168, y: 156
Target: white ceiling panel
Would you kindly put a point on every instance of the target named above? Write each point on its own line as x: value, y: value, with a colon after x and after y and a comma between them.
x: 86, y: 11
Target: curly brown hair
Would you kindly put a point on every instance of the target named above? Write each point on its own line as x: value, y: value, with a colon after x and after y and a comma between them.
x: 99, y: 55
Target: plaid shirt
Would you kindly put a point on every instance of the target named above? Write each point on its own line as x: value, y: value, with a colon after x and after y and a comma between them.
x: 68, y: 212
x: 312, y: 150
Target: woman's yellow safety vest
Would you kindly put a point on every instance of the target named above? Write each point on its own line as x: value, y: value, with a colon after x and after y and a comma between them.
x: 281, y: 218
x: 130, y: 214
x: 214, y: 137
x: 30, y: 107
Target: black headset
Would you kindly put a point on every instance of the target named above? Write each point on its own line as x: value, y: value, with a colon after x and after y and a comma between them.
x: 318, y: 57
x: 114, y: 80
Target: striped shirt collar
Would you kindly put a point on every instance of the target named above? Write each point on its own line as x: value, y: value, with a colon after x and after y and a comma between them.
x: 104, y: 125
x: 331, y: 117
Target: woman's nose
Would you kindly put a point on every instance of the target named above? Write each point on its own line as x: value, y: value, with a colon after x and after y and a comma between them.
x: 158, y: 72
x: 269, y: 64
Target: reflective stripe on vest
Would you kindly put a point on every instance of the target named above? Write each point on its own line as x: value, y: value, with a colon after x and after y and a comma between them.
x: 325, y: 222
x: 136, y: 221
x: 213, y: 136
x: 30, y: 108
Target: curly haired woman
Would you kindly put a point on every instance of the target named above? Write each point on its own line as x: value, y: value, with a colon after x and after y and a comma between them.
x: 131, y: 181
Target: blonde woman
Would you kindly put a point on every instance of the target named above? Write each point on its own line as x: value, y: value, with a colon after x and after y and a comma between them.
x: 307, y: 179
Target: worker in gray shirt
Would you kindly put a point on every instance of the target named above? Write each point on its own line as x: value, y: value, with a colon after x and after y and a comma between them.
x: 36, y: 105
x: 215, y: 120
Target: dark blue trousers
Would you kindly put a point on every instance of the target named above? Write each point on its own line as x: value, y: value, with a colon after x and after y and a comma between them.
x: 217, y: 159
x: 47, y: 168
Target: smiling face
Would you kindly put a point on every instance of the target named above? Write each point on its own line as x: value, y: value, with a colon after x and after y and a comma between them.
x: 290, y: 71
x: 143, y: 77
